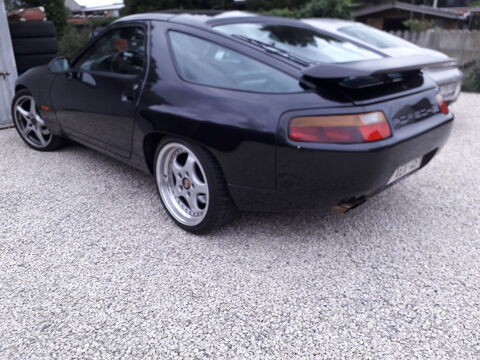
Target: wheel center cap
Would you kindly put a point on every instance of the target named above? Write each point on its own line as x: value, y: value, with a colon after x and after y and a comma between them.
x: 186, y: 183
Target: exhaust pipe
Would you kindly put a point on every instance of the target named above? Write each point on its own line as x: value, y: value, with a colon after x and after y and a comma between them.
x: 347, y: 206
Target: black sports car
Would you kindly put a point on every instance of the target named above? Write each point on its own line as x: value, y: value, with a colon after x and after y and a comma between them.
x: 254, y: 113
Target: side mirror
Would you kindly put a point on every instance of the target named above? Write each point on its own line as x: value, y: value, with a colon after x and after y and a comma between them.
x: 96, y: 31
x: 59, y: 65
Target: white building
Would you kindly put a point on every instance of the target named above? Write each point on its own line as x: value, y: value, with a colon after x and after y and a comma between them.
x: 107, y: 8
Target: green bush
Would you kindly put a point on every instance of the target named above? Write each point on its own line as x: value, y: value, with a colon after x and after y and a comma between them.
x: 341, y: 9
x: 285, y: 12
x: 416, y: 25
x: 76, y: 37
x: 472, y: 79
x: 271, y: 5
x: 139, y: 6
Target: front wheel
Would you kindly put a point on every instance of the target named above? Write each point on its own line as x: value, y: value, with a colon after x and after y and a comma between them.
x: 192, y: 187
x: 30, y: 125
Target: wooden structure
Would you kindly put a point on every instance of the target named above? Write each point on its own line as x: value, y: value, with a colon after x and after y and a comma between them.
x: 391, y: 17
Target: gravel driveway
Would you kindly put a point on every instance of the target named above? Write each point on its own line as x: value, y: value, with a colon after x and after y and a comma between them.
x: 91, y: 266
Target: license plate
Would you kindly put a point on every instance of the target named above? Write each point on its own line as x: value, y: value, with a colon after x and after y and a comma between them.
x: 448, y: 89
x: 405, y: 169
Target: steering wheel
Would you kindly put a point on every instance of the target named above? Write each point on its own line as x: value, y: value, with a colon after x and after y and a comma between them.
x: 127, y: 62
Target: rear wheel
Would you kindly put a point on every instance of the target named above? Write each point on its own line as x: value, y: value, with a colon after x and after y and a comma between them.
x: 192, y: 187
x: 30, y: 125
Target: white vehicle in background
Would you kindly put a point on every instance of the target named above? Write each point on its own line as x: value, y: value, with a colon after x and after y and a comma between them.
x: 448, y: 76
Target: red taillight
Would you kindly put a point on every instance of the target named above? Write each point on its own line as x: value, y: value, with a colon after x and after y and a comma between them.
x: 442, y: 104
x: 346, y: 129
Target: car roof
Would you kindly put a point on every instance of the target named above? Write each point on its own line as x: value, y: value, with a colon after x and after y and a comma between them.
x: 146, y: 16
x: 194, y: 17
x: 331, y: 24
x: 209, y: 18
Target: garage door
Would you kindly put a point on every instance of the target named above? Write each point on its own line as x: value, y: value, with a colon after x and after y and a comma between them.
x: 8, y: 70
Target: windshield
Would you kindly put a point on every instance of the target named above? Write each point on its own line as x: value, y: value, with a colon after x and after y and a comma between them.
x: 374, y: 36
x: 304, y: 43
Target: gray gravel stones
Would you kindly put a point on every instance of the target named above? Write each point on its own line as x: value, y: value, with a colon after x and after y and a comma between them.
x: 91, y: 267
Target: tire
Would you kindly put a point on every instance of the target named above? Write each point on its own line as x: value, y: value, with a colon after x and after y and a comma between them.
x: 35, y: 46
x: 25, y: 62
x: 29, y: 135
x: 32, y: 29
x: 200, y: 179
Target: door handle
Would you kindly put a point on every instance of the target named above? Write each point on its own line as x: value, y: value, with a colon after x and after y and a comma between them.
x: 4, y: 74
x: 130, y: 93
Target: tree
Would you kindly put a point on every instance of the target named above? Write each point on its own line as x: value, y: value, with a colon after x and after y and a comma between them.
x: 139, y: 6
x: 341, y: 9
x: 278, y: 5
x: 12, y: 4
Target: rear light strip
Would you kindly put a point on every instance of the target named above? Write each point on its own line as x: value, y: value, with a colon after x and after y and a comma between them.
x: 442, y: 104
x: 345, y: 129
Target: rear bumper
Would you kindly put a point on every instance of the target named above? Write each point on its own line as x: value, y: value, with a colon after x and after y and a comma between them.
x: 320, y: 175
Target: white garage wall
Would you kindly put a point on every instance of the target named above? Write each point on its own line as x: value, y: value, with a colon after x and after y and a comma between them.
x: 7, y: 66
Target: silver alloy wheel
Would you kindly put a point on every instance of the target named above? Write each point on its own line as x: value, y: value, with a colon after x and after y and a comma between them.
x: 182, y: 184
x: 29, y: 122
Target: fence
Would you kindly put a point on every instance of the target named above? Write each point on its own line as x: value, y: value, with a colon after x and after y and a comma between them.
x: 461, y: 44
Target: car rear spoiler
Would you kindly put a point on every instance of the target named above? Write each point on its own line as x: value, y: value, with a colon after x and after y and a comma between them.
x: 387, y: 77
x: 373, y: 67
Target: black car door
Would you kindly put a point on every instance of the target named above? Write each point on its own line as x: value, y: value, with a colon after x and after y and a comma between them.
x: 96, y: 101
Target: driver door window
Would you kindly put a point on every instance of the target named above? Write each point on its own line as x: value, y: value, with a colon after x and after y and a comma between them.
x: 120, y: 51
x: 98, y: 103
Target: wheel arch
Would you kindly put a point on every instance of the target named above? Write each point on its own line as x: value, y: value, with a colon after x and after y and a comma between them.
x: 150, y: 145
x: 20, y: 87
x: 152, y: 140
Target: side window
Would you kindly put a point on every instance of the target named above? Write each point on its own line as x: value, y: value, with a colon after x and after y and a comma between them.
x: 120, y: 51
x: 203, y: 62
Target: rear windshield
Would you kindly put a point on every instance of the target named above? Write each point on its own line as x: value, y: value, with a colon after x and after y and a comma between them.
x: 373, y: 36
x: 304, y: 43
x: 215, y: 65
